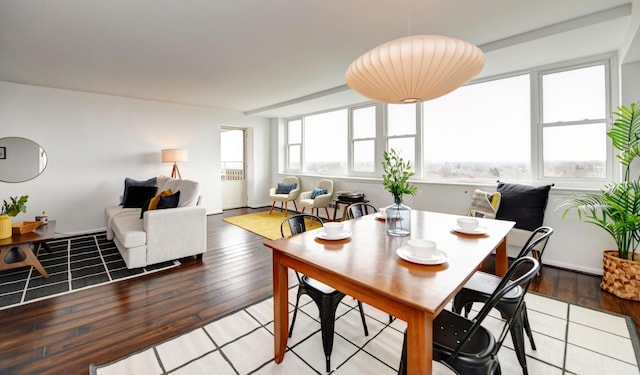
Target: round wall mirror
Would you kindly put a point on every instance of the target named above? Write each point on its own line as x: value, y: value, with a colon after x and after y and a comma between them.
x: 21, y: 159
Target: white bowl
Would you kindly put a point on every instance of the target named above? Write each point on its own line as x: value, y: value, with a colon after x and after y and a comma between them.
x: 333, y: 228
x: 467, y: 223
x: 422, y: 248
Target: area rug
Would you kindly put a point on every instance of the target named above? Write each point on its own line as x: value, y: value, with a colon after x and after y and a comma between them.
x: 263, y: 224
x: 570, y: 339
x: 74, y: 263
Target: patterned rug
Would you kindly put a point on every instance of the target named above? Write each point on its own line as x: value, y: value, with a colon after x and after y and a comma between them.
x: 74, y: 263
x: 570, y: 339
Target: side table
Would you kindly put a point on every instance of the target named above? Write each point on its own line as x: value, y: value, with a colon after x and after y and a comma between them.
x: 346, y: 204
x: 16, y: 252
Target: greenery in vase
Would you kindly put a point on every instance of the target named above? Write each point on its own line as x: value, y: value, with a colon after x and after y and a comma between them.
x: 17, y: 205
x: 396, y: 175
x: 616, y: 208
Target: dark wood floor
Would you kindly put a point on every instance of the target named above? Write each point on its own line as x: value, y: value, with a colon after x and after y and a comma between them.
x: 64, y: 335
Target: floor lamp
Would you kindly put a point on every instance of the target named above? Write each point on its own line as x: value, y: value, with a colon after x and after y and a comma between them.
x: 174, y: 156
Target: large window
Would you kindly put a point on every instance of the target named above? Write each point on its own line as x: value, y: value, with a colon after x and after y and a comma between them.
x: 542, y: 125
x: 574, y: 123
x: 363, y: 125
x: 479, y: 132
x: 294, y: 144
x: 325, y: 143
x: 401, y: 130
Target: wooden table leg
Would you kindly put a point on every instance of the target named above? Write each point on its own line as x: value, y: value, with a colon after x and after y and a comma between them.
x: 29, y: 260
x: 502, y: 260
x: 419, y: 343
x: 280, y: 307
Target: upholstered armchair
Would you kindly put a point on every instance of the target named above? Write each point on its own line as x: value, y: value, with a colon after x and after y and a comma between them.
x: 287, y: 191
x: 320, y: 197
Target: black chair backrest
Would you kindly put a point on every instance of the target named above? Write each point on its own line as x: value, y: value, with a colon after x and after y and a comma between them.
x: 539, y: 239
x: 296, y: 223
x: 526, y: 267
x: 360, y: 209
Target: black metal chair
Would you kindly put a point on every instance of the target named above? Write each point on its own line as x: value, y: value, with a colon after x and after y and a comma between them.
x: 360, y: 209
x: 481, y: 285
x: 464, y: 345
x: 326, y: 298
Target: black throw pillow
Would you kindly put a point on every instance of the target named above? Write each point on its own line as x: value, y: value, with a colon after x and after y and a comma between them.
x: 131, y: 182
x: 145, y: 207
x: 524, y: 204
x: 170, y: 201
x: 137, y: 195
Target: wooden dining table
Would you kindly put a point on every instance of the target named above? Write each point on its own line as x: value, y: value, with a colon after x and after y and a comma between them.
x: 366, y: 265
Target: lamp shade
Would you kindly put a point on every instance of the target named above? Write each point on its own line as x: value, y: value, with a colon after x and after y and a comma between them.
x: 174, y: 155
x: 414, y: 68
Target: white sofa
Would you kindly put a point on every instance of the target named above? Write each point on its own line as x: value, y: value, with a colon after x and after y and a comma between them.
x: 164, y: 234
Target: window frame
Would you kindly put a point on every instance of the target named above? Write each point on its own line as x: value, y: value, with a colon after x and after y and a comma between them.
x: 536, y: 128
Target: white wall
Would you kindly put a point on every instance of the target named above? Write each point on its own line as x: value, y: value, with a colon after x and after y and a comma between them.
x: 630, y: 78
x: 574, y: 244
x: 94, y: 141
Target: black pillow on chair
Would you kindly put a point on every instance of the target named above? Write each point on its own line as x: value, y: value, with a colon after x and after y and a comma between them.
x: 524, y: 204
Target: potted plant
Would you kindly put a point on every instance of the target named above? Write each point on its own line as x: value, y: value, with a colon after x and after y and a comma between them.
x: 616, y: 209
x: 395, y: 179
x: 9, y: 210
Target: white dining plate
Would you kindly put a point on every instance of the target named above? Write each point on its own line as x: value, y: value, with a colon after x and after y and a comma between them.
x: 404, y: 252
x: 341, y: 236
x: 476, y: 230
x: 379, y: 216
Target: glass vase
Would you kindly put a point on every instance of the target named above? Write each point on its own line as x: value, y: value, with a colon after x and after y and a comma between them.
x: 398, y: 218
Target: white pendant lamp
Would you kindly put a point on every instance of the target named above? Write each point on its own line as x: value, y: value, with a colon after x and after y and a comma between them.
x: 415, y: 68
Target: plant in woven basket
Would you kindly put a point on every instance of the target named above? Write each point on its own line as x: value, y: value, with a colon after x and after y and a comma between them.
x: 616, y: 208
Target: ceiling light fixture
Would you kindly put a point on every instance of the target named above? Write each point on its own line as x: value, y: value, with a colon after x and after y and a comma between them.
x: 414, y: 68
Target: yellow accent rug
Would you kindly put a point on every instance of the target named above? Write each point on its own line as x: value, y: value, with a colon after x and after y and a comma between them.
x: 263, y: 224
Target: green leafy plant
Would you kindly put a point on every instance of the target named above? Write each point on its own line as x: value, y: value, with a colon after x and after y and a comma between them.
x: 17, y: 205
x: 396, y: 175
x: 616, y: 208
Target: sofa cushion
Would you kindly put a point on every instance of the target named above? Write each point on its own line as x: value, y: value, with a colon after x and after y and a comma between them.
x: 131, y: 182
x: 189, y: 190
x: 138, y: 195
x: 318, y: 191
x: 152, y: 203
x: 129, y: 230
x: 523, y: 204
x: 170, y: 201
x: 285, y: 188
x: 484, y: 204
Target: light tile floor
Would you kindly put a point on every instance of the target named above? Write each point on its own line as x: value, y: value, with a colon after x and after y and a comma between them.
x: 576, y: 339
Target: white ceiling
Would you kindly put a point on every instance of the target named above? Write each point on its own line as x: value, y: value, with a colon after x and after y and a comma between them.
x: 263, y: 57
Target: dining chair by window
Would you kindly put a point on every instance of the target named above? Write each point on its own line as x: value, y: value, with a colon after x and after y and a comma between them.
x: 326, y: 298
x: 360, y: 209
x: 464, y: 345
x: 481, y: 285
